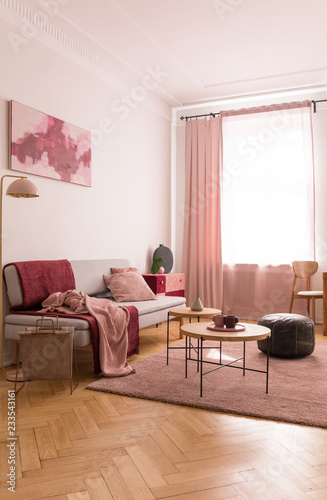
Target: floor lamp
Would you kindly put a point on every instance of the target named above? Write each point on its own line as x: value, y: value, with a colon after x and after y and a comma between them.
x: 20, y: 188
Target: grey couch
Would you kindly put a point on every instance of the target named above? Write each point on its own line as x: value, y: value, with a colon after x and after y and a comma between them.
x: 89, y: 279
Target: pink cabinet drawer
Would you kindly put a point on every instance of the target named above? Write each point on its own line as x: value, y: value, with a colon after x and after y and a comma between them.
x: 166, y: 284
x: 157, y: 283
x: 175, y: 282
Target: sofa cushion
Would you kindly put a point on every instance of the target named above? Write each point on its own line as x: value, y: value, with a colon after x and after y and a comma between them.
x: 24, y: 320
x: 163, y: 303
x: 129, y: 286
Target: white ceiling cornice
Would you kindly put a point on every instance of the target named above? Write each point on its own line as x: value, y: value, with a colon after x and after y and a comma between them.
x: 37, y: 25
x: 201, y: 52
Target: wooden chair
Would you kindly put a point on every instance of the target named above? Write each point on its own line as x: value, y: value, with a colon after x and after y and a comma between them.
x: 304, y: 270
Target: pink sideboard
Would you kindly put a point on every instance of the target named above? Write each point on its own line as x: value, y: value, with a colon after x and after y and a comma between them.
x: 166, y: 284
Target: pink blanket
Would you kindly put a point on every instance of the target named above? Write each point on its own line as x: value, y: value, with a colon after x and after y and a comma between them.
x: 112, y: 322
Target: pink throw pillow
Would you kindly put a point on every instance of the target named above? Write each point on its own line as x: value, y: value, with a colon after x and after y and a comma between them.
x: 115, y: 270
x: 128, y: 286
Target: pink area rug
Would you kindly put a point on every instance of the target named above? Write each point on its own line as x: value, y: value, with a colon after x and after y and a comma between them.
x: 297, y: 387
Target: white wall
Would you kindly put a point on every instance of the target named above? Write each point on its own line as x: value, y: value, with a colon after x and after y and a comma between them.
x: 320, y: 154
x: 180, y: 192
x: 126, y: 212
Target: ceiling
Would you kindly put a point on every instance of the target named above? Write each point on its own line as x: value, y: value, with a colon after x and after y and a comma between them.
x: 202, y: 49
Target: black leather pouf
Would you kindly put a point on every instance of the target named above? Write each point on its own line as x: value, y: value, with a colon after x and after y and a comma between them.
x: 292, y: 335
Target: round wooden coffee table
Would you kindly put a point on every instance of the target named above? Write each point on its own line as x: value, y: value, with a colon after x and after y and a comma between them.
x: 201, y: 332
x: 187, y: 312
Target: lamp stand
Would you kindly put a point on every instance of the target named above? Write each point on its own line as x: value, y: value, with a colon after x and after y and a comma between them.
x: 22, y: 188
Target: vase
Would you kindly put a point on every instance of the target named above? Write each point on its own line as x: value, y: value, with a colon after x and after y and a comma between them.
x: 167, y: 257
x: 197, y: 304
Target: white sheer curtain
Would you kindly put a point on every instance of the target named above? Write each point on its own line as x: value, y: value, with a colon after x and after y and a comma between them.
x: 267, y: 205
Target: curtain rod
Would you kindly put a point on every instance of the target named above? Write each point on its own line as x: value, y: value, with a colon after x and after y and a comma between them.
x: 314, y: 104
x: 200, y: 116
x: 218, y: 113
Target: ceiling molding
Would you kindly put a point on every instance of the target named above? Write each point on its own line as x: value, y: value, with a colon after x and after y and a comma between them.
x: 37, y: 26
x: 269, y: 78
x: 139, y: 74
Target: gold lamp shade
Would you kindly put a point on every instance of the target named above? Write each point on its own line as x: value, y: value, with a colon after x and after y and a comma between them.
x: 22, y: 188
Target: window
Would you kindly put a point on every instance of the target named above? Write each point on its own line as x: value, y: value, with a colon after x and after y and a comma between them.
x: 267, y: 186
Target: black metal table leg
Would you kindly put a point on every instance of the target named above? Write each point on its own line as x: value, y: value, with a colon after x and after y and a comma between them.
x: 198, y: 348
x: 197, y: 369
x: 186, y: 356
x: 243, y: 359
x: 167, y: 338
x: 268, y: 349
x: 201, y: 365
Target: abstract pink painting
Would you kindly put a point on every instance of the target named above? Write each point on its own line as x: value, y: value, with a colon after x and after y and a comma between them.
x: 47, y: 146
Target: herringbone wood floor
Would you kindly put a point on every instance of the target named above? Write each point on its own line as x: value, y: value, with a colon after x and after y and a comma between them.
x: 100, y: 446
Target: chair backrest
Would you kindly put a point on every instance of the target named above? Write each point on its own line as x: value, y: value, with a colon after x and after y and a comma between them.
x: 304, y: 268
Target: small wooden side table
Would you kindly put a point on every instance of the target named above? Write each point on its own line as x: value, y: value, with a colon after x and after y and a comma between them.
x: 201, y: 332
x: 187, y: 312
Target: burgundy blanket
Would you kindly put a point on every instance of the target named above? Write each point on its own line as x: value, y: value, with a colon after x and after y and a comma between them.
x: 44, y: 278
x: 41, y: 278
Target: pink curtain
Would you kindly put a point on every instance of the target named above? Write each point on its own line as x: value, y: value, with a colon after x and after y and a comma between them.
x: 252, y: 291
x: 268, y: 206
x: 202, y: 262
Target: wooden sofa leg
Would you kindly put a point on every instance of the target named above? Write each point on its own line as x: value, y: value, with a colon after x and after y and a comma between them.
x: 15, y: 353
